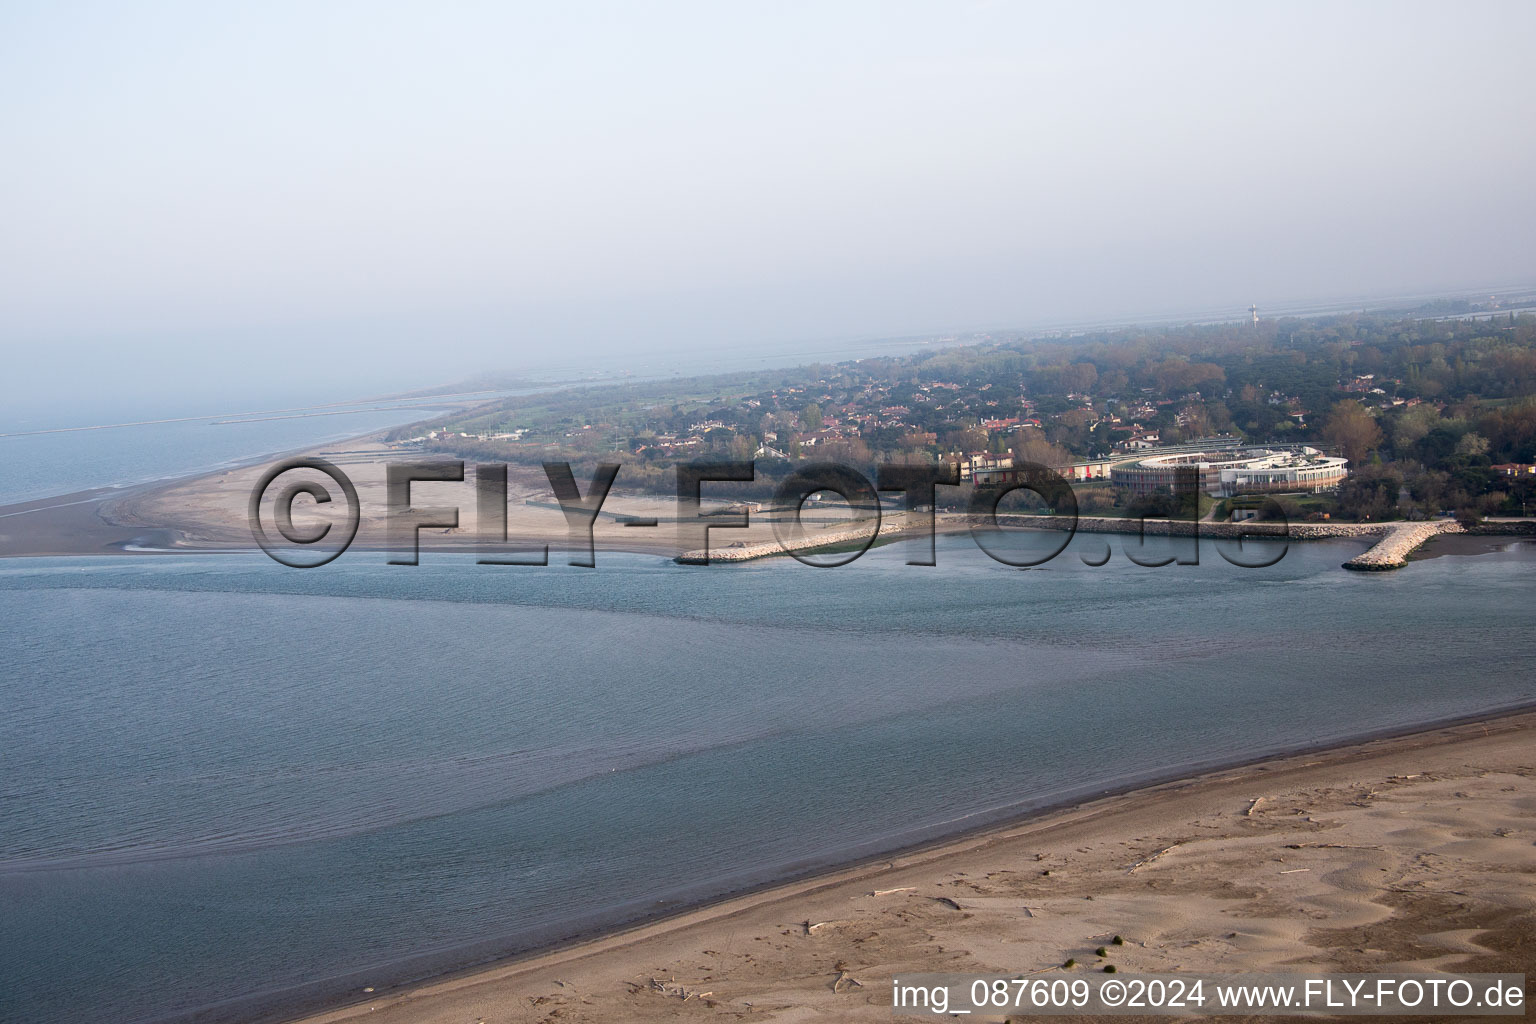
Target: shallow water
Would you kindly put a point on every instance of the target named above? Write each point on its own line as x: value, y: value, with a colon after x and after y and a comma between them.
x: 237, y: 787
x: 38, y: 465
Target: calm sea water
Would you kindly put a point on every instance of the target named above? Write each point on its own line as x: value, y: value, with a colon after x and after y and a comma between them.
x: 234, y: 788
x: 36, y: 465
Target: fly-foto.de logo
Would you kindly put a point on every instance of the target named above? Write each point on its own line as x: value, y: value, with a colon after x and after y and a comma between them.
x: 306, y: 486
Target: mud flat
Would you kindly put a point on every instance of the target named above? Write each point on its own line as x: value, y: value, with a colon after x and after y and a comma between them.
x: 1477, y: 541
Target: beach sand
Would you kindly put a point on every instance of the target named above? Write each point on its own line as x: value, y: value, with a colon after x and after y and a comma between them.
x: 1416, y: 853
x: 210, y: 512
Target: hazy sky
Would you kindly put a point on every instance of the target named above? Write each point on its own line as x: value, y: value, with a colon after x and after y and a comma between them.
x: 246, y: 194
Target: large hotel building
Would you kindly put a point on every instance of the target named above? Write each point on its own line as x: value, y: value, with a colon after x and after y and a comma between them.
x: 1238, y: 471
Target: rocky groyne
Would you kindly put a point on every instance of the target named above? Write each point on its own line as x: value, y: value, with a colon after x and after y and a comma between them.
x: 890, y: 528
x: 1184, y: 527
x: 1399, y: 541
x: 1396, y: 541
x: 893, y: 527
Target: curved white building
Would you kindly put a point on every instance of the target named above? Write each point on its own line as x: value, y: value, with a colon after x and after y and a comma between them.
x: 1239, y: 471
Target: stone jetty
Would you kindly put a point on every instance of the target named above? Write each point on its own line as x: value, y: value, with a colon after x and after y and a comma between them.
x: 890, y: 527
x: 1398, y: 542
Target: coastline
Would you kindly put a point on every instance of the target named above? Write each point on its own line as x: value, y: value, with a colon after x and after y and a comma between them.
x: 207, y: 512
x: 817, y: 927
x: 144, y: 504
x: 89, y: 521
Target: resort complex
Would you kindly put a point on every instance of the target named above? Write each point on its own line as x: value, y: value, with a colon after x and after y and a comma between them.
x: 1225, y: 473
x: 1226, y: 467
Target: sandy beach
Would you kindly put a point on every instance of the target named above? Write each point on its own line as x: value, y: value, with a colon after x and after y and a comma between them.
x: 210, y: 512
x: 1414, y: 853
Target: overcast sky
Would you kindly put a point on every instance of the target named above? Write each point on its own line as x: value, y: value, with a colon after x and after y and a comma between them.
x: 243, y: 194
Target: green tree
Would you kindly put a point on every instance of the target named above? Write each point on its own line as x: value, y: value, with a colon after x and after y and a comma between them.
x: 1352, y: 427
x: 1370, y: 493
x: 1472, y: 444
